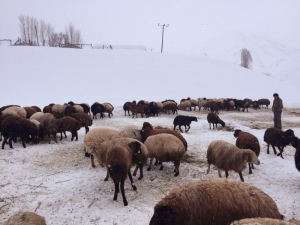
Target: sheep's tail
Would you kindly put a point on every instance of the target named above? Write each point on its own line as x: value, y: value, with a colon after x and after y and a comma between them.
x: 117, y: 172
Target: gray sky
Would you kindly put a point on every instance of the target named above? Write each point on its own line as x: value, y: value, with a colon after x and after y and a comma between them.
x: 135, y: 22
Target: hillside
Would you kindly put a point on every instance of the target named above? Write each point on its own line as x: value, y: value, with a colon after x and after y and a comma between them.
x: 41, y: 75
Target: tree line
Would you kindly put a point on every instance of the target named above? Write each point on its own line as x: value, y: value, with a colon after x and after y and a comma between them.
x: 33, y: 31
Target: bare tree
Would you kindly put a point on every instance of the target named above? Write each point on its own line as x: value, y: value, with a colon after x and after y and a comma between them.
x: 72, y: 36
x: 42, y: 31
x: 246, y: 59
x: 49, y: 35
x: 22, y: 20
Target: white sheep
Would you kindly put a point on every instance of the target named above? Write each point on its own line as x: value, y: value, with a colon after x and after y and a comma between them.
x: 213, y: 201
x: 58, y: 110
x: 227, y: 156
x: 165, y: 148
x: 108, y: 108
x: 185, y: 105
x: 36, y: 116
x: 201, y: 102
x: 95, y: 137
x: 15, y: 111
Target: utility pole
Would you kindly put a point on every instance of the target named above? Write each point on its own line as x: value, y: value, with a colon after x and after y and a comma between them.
x: 162, y: 39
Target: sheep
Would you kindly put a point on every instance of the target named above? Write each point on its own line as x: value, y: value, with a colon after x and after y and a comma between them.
x: 139, y: 159
x: 82, y: 107
x: 168, y: 101
x: 14, y: 126
x: 147, y: 131
x: 213, y: 201
x: 244, y: 104
x: 29, y: 111
x: 295, y: 141
x: 153, y: 109
x: 213, y: 118
x: 263, y: 101
x: 38, y: 109
x: 95, y: 137
x: 185, y: 105
x: 58, y: 111
x: 1, y: 120
x: 126, y: 107
x: 26, y: 218
x: 214, y: 106
x: 278, y: 138
x: 84, y: 119
x: 201, y: 102
x: 160, y: 106
x: 97, y: 108
x: 69, y: 110
x: 68, y: 124
x: 15, y: 111
x: 108, y: 108
x: 185, y: 121
x: 194, y: 103
x: 36, y: 116
x: 47, y: 109
x: 165, y: 148
x: 227, y: 156
x: 130, y: 133
x: 246, y: 140
x: 263, y: 221
x: 170, y: 107
x: 49, y: 126
x: 118, y: 164
x: 137, y: 109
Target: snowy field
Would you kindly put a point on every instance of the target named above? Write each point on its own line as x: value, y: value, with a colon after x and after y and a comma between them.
x: 58, y: 182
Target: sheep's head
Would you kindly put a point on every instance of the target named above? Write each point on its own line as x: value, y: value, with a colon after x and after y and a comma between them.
x: 288, y: 136
x: 295, y: 141
x: 250, y: 157
x: 146, y: 127
x: 236, y: 132
x: 194, y: 119
x: 222, y: 123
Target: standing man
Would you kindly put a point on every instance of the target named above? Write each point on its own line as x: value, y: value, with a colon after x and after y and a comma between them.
x: 277, y: 109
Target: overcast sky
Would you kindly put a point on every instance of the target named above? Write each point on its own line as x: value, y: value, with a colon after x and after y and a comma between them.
x: 135, y: 22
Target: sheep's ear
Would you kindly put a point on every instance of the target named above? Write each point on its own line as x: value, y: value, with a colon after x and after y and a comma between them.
x: 246, y: 158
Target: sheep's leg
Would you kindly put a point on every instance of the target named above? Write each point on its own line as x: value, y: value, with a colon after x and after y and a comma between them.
x: 76, y: 134
x: 180, y: 128
x: 135, y: 170
x: 149, y: 167
x: 4, y: 142
x: 280, y: 152
x: 116, y: 190
x: 161, y: 166
x: 275, y: 152
x: 131, y: 181
x: 92, y: 161
x: 156, y: 162
x: 176, y: 164
x: 188, y: 128
x: 219, y: 171
x: 123, y: 194
x: 86, y: 129
x: 250, y: 170
x: 208, y: 169
x: 10, y: 142
x: 175, y: 127
x: 241, y: 176
x: 60, y: 136
x: 23, y: 142
x: 268, y: 149
x: 226, y: 173
x: 107, y: 176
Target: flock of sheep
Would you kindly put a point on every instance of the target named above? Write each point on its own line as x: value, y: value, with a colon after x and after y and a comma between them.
x: 194, y: 202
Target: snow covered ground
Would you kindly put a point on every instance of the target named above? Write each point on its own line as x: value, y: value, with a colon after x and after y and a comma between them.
x: 58, y: 182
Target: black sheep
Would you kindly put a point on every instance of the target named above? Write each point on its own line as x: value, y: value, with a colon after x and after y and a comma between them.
x: 181, y: 120
x: 278, y: 138
x: 97, y: 108
x: 295, y: 141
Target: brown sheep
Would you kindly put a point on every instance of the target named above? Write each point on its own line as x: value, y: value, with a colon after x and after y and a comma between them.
x: 246, y: 140
x: 137, y: 109
x: 47, y: 109
x: 213, y: 201
x: 84, y: 119
x: 214, y: 106
x: 118, y: 164
x: 68, y: 124
x: 126, y: 107
x: 30, y: 111
x: 38, y: 109
x: 227, y: 156
x: 170, y: 107
x: 26, y: 218
x: 108, y: 108
x: 49, y: 126
x: 263, y: 102
x: 147, y: 131
x: 214, y: 119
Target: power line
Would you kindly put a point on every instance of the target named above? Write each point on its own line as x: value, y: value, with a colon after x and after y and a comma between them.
x: 162, y: 38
